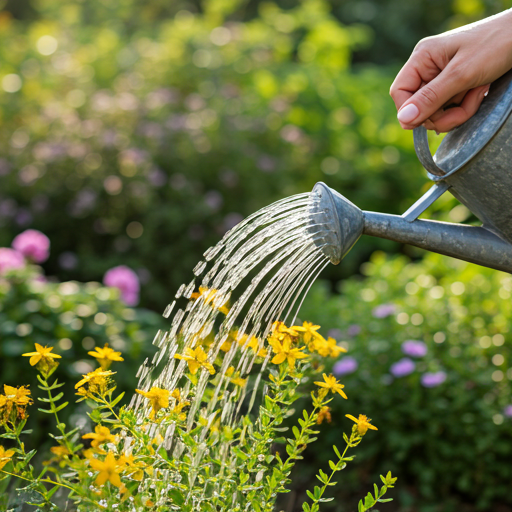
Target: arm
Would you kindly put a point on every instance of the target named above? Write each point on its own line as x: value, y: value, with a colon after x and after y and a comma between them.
x: 456, y: 67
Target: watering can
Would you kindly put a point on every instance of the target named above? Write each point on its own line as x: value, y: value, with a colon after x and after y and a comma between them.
x: 473, y: 163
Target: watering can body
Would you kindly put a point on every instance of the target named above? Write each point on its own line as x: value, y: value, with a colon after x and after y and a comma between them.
x: 473, y: 163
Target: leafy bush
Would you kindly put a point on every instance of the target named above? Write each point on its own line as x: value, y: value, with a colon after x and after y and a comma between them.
x: 142, y: 144
x: 446, y: 423
x: 73, y: 317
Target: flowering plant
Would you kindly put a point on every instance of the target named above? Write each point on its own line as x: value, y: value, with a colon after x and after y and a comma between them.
x: 171, y: 459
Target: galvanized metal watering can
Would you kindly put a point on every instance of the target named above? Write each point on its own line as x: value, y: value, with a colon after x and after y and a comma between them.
x: 474, y: 163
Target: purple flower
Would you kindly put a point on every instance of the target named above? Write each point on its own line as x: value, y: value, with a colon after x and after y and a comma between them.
x: 431, y: 380
x: 33, y: 244
x: 126, y: 280
x: 508, y: 411
x: 353, y: 330
x: 414, y: 348
x: 403, y: 367
x: 345, y: 366
x: 383, y: 310
x: 10, y: 259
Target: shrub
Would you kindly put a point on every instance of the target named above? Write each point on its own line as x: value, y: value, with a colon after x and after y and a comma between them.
x: 429, y: 354
x: 75, y: 318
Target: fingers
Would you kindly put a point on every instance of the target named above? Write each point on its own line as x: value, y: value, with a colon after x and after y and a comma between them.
x: 420, y: 69
x: 430, y: 98
x: 444, y: 121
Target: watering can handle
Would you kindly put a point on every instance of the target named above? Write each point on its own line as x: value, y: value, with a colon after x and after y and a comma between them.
x: 423, y: 152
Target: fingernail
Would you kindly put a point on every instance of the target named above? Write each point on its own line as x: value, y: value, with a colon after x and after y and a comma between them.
x: 486, y: 92
x: 408, y: 113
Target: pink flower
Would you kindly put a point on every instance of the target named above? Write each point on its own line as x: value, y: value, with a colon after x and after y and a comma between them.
x: 33, y: 244
x: 431, y: 380
x: 10, y: 259
x: 414, y: 348
x: 383, y: 310
x: 126, y: 280
x: 403, y: 367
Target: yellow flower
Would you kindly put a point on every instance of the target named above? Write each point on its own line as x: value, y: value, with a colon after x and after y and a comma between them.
x: 159, y: 399
x: 331, y: 384
x: 97, y: 383
x: 5, y: 456
x: 285, y: 352
x: 109, y: 470
x: 309, y: 331
x: 179, y: 405
x: 196, y: 358
x: 41, y: 353
x: 236, y: 380
x: 105, y: 356
x: 280, y: 331
x: 61, y: 456
x: 208, y: 295
x: 60, y: 451
x: 326, y: 347
x: 43, y: 356
x: 363, y: 423
x: 253, y: 343
x: 102, y: 435
x: 14, y: 397
x: 133, y: 468
x: 19, y: 396
x: 324, y: 414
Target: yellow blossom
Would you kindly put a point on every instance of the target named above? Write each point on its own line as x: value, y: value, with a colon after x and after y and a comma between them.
x: 5, y: 456
x: 105, y: 356
x: 109, y: 470
x: 363, y: 423
x: 280, y: 331
x: 208, y: 295
x: 60, y: 451
x: 326, y: 347
x: 14, y: 397
x: 324, y: 414
x: 331, y: 384
x: 285, y: 352
x: 236, y: 379
x: 196, y: 358
x: 179, y: 405
x: 159, y: 399
x: 253, y: 343
x: 309, y: 331
x: 43, y: 355
x: 134, y: 468
x: 97, y: 383
x: 100, y: 436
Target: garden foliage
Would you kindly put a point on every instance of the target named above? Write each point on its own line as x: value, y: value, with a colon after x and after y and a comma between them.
x: 138, y: 132
x: 429, y: 352
x: 168, y: 458
x: 75, y: 318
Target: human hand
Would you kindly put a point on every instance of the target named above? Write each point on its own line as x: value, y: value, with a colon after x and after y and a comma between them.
x: 456, y: 67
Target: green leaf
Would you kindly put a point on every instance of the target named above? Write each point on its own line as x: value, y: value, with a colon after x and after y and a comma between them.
x: 333, y: 466
x: 336, y: 451
x: 310, y: 494
x: 117, y: 400
x: 61, y: 406
x: 306, y: 507
x: 385, y: 500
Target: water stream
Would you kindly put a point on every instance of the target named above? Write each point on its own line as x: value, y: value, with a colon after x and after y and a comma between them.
x: 258, y: 273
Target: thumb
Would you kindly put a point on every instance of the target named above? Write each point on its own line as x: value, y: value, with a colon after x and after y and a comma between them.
x: 431, y: 97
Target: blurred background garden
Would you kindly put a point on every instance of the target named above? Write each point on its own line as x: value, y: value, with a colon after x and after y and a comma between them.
x: 137, y: 132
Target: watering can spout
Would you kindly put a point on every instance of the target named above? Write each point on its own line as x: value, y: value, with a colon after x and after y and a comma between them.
x: 342, y: 223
